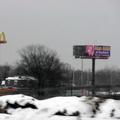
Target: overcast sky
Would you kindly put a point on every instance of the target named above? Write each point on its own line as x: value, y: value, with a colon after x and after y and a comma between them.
x: 60, y: 24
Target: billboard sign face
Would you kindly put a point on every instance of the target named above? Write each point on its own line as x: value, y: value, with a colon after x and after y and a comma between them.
x: 103, y: 51
x: 91, y: 51
x: 79, y: 51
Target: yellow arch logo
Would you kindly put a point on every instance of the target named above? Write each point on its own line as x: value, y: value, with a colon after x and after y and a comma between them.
x: 2, y: 37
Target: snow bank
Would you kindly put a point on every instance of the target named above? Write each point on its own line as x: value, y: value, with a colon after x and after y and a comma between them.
x: 21, y: 107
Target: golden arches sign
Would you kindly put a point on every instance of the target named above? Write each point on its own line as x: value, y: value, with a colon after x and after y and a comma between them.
x: 2, y: 37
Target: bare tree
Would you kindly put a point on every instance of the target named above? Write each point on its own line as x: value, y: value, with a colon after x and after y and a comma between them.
x: 42, y: 63
x: 4, y: 71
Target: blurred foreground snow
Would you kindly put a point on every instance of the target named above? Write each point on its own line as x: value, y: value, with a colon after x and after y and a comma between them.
x: 21, y: 107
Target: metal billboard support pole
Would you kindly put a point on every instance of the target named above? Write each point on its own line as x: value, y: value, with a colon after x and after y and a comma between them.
x: 82, y: 72
x: 93, y: 76
x: 82, y: 69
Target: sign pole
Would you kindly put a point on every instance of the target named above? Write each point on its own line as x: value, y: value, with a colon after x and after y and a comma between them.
x: 93, y: 75
x: 82, y: 71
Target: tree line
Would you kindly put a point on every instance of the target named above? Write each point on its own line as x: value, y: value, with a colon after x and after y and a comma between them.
x: 45, y: 65
x: 106, y: 76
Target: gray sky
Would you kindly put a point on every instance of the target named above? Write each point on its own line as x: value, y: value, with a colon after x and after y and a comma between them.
x: 60, y: 24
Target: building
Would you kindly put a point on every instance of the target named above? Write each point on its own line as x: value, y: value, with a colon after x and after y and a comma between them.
x: 21, y: 82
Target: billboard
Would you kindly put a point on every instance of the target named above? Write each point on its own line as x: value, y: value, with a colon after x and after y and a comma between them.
x: 91, y: 51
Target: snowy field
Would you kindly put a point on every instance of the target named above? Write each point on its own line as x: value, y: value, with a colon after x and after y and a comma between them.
x: 21, y: 107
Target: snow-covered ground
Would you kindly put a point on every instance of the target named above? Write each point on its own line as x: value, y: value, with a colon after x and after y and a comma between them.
x: 21, y: 107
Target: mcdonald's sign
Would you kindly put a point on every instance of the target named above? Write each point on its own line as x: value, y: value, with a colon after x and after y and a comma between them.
x: 2, y: 38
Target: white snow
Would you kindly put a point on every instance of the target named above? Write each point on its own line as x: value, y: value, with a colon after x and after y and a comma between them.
x: 47, y: 109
